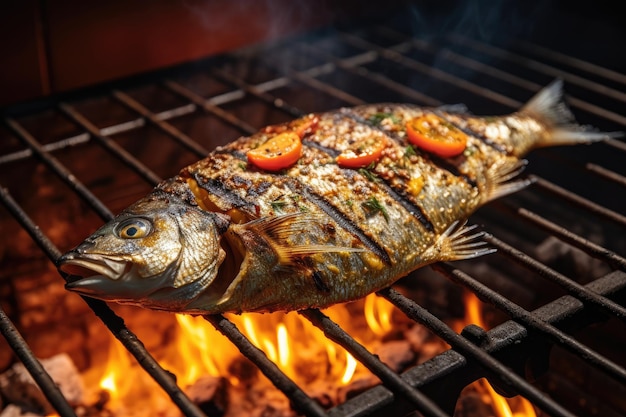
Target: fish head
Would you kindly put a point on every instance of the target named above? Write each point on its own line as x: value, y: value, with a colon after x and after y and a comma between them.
x: 159, y: 253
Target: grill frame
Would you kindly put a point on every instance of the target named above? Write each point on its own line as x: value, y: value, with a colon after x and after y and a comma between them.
x: 506, y: 379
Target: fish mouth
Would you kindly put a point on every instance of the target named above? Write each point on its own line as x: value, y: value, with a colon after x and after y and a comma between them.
x: 91, y: 271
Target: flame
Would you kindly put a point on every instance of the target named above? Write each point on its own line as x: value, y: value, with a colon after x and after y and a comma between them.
x: 378, y: 315
x: 113, y: 381
x: 514, y: 407
x: 298, y: 348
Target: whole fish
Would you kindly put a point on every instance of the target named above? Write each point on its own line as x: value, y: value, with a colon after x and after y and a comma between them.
x: 324, y: 209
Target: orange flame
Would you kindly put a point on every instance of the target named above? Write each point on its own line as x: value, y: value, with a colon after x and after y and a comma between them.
x: 297, y: 347
x: 515, y: 407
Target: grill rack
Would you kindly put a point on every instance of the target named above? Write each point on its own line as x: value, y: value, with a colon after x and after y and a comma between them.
x: 593, y: 300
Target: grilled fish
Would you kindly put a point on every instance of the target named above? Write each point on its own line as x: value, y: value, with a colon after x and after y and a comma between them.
x: 369, y: 194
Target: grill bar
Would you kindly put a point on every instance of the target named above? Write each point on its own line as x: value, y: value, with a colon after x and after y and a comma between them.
x: 376, y: 78
x: 553, y: 72
x: 25, y: 354
x: 164, y: 126
x: 391, y: 379
x: 602, y: 303
x: 110, y: 145
x: 392, y: 55
x: 607, y: 174
x: 590, y: 248
x: 258, y: 93
x: 578, y: 200
x: 209, y: 107
x: 531, y: 321
x: 59, y: 169
x: 302, y: 402
x: 443, y: 373
x: 496, y: 369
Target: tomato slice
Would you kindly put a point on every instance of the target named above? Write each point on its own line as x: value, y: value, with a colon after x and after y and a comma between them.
x: 361, y: 154
x: 432, y: 133
x: 277, y: 153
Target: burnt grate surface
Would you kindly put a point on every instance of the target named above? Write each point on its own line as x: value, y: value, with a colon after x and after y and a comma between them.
x: 559, y: 268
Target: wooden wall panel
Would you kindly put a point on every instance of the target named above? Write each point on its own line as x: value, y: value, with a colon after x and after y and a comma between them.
x: 23, y: 73
x: 51, y: 46
x: 95, y: 41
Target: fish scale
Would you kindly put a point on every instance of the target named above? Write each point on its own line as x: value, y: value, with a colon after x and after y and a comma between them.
x: 316, y: 231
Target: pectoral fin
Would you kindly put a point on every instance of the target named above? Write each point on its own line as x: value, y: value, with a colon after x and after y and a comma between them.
x: 500, y: 178
x: 277, y: 232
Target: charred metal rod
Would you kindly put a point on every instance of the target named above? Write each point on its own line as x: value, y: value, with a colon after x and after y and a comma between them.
x: 392, y: 54
x: 578, y: 200
x: 301, y: 401
x: 468, y: 349
x: 579, y: 291
x: 110, y: 145
x: 531, y: 321
x: 33, y: 366
x: 607, y: 174
x: 309, y: 77
x: 583, y: 244
x: 390, y: 379
x: 59, y: 169
x: 209, y: 107
x: 257, y: 92
x: 375, y: 77
x: 164, y: 126
x: 109, y: 318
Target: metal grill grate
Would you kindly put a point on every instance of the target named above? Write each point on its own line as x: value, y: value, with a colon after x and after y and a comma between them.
x: 245, y: 90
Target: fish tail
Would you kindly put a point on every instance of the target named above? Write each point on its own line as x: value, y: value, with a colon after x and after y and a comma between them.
x: 549, y: 106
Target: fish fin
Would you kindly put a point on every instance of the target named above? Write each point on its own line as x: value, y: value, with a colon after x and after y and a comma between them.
x: 458, y: 242
x: 549, y: 106
x: 277, y: 229
x: 499, y: 176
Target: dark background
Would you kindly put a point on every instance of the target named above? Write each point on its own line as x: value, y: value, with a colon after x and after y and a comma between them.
x: 50, y: 47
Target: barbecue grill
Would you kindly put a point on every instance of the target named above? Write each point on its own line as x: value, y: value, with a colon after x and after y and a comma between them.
x: 557, y: 282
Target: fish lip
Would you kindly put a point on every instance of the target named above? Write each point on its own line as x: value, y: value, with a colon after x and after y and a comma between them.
x: 90, y: 265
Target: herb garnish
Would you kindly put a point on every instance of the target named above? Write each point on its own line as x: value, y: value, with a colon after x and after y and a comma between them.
x: 368, y: 173
x: 377, y: 118
x: 373, y: 206
x: 278, y: 205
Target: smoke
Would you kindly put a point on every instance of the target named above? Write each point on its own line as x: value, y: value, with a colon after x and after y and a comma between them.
x: 269, y: 18
x: 483, y: 20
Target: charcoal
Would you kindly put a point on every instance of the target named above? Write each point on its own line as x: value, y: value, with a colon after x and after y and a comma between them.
x: 18, y: 387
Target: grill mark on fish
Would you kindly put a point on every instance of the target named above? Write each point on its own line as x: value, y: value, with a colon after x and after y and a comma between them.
x: 451, y: 168
x: 218, y: 188
x: 333, y: 153
x: 341, y: 219
x: 319, y: 282
x: 399, y: 196
x: 489, y: 142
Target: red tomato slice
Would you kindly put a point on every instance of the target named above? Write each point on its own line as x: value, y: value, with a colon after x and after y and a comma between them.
x: 277, y: 153
x: 361, y: 154
x: 433, y: 134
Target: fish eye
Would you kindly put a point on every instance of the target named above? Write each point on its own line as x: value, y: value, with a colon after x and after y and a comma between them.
x: 133, y: 228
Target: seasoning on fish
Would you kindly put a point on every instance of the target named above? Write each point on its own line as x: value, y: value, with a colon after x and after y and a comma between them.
x: 324, y: 209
